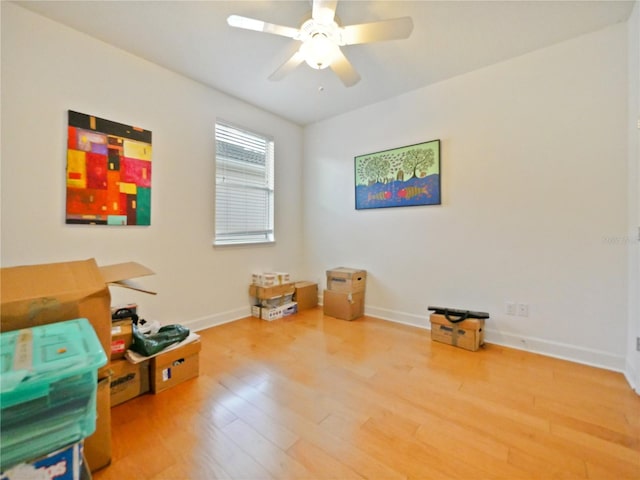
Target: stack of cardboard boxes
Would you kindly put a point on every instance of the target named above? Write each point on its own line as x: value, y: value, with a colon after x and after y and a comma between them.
x: 344, y: 296
x: 274, y: 296
x: 132, y: 377
x: 128, y: 380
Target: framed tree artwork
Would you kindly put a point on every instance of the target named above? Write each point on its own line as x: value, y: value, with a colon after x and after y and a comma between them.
x: 400, y: 177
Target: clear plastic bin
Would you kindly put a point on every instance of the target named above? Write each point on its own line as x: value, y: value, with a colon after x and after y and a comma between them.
x: 48, y: 380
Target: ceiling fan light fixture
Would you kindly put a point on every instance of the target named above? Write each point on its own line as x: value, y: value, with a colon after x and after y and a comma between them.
x: 318, y: 51
x: 322, y: 37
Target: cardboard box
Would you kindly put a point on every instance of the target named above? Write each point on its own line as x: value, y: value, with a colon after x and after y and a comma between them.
x: 97, y: 447
x: 343, y: 279
x: 265, y: 293
x: 128, y: 380
x: 121, y: 338
x: 175, y: 366
x: 263, y: 279
x: 468, y: 334
x: 269, y: 279
x: 345, y: 306
x: 306, y: 295
x: 274, y: 313
x: 35, y: 295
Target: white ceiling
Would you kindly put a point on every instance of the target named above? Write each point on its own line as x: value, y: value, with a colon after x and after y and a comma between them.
x: 449, y: 38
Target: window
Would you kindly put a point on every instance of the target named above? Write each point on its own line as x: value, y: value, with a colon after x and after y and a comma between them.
x: 244, y: 186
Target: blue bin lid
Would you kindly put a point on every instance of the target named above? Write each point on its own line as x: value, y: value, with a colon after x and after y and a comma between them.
x: 34, y: 358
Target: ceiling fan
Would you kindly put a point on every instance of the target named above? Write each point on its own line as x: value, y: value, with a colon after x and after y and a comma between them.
x: 322, y: 37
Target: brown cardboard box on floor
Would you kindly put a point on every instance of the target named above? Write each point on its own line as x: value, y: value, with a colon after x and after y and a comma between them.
x: 306, y: 295
x: 345, y: 306
x: 97, y: 447
x: 128, y: 380
x: 175, y: 366
x: 468, y: 334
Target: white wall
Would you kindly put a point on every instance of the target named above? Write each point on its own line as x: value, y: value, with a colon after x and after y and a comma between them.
x: 48, y: 69
x: 535, y: 194
x: 632, y: 368
x: 534, y: 181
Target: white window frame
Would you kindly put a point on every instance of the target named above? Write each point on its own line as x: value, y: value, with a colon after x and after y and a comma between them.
x: 244, y: 205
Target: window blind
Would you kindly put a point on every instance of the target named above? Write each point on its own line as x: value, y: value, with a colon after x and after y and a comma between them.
x: 244, y: 186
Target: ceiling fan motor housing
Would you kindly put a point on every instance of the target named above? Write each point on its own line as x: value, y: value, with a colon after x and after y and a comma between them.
x: 320, y: 42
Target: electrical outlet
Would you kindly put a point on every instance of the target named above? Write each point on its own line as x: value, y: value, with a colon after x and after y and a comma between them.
x: 510, y: 308
x: 523, y: 309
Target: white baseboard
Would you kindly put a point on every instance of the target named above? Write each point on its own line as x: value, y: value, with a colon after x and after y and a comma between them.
x: 209, y: 321
x: 631, y: 375
x: 398, y: 317
x: 564, y: 351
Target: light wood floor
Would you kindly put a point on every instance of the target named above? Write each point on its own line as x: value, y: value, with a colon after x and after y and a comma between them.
x: 312, y: 397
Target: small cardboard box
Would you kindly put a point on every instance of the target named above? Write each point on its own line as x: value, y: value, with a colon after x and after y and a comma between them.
x: 345, y: 306
x: 306, y: 295
x: 265, y: 293
x: 97, y: 447
x: 128, y: 380
x: 468, y: 334
x: 121, y: 337
x: 348, y: 280
x: 269, y: 279
x: 175, y: 366
x: 274, y: 313
x: 263, y: 279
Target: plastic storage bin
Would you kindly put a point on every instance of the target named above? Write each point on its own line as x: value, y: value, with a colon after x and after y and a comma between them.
x: 48, y: 387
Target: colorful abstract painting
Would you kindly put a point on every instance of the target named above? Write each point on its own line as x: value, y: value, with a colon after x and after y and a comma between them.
x: 108, y: 172
x: 400, y: 177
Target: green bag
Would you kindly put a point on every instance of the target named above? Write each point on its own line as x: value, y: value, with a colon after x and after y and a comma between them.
x: 148, y: 345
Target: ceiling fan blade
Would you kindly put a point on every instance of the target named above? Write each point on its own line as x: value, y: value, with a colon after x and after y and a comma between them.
x: 260, y: 26
x: 324, y: 11
x: 296, y: 59
x: 392, y: 29
x: 345, y: 71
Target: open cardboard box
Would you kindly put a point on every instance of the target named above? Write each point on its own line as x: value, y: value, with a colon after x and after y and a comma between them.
x: 36, y: 295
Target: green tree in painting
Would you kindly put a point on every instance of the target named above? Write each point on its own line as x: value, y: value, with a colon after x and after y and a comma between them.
x: 376, y: 170
x: 417, y: 162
